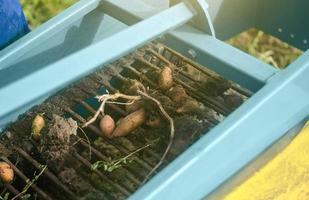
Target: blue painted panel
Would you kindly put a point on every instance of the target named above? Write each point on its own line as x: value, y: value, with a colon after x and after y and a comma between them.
x: 285, y: 19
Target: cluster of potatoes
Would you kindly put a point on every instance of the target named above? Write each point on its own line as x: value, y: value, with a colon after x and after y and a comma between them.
x: 136, y: 112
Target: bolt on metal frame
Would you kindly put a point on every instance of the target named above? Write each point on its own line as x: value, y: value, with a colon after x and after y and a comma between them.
x: 280, y: 101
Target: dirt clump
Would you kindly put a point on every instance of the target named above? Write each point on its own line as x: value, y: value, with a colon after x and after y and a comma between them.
x: 94, y: 195
x: 187, y: 129
x: 215, y: 86
x: 56, y: 142
x: 69, y: 177
x: 4, y: 151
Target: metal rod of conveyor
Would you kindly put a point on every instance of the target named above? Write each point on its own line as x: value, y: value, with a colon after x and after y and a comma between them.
x: 48, y: 80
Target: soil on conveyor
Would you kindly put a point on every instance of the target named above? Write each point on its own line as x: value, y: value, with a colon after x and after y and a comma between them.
x: 58, y: 138
x: 56, y: 141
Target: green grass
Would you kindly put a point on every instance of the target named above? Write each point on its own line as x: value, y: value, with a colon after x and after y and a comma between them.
x: 39, y: 11
x: 265, y: 47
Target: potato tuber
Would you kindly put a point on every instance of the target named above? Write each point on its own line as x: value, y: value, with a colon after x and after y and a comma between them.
x: 107, y: 125
x: 154, y: 122
x: 130, y: 123
x: 6, y: 172
x: 38, y: 124
x: 177, y: 94
x: 165, y: 79
x: 215, y: 87
x: 134, y: 86
x: 134, y: 106
x: 190, y: 106
x: 233, y: 100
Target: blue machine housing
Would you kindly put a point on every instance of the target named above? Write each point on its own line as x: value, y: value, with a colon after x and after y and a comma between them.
x: 93, y: 32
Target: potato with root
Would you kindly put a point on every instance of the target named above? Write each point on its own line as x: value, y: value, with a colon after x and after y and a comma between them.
x: 131, y: 107
x: 6, y: 172
x: 185, y: 104
x: 133, y: 86
x: 215, y: 86
x: 165, y: 79
x: 233, y: 100
x: 177, y: 94
x: 154, y: 121
x: 130, y: 123
x: 135, y: 119
x: 191, y: 106
x: 107, y: 125
x: 38, y: 124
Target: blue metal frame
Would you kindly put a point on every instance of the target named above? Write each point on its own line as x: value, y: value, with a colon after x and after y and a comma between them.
x: 286, y: 19
x: 239, y: 139
x: 280, y: 101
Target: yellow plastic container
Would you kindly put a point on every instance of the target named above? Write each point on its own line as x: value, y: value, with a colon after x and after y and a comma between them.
x: 285, y: 177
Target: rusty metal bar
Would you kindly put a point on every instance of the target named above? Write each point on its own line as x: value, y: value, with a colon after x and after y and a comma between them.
x: 49, y: 174
x: 207, y: 100
x: 211, y: 121
x: 96, y: 152
x: 93, y: 111
x: 12, y: 189
x: 140, y: 75
x: 123, y: 190
x: 206, y: 71
x: 24, y: 178
x: 98, y: 132
x: 166, y: 61
x: 126, y: 140
x: 115, y: 107
x: 213, y: 103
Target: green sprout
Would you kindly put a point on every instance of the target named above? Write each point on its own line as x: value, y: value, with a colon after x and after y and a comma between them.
x: 110, y: 166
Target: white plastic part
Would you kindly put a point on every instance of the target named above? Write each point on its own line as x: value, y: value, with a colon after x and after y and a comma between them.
x: 204, y: 5
x: 150, y: 7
